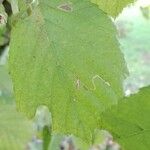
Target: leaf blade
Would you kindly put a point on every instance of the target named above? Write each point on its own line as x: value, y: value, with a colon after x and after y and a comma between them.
x: 74, y: 71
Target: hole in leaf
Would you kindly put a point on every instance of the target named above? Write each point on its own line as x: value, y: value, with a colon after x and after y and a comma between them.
x: 42, y: 118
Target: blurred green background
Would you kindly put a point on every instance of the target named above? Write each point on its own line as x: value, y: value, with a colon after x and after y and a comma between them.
x: 134, y: 35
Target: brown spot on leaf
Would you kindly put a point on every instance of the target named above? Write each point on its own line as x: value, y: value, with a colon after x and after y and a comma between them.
x: 67, y: 7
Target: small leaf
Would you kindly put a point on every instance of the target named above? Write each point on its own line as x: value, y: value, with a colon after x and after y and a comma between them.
x: 112, y: 7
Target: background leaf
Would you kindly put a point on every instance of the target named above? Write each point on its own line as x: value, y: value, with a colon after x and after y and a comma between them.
x: 15, y: 130
x: 129, y: 122
x: 65, y: 55
x: 112, y: 7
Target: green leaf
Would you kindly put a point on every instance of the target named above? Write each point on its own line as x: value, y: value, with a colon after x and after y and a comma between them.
x: 15, y: 130
x: 65, y: 55
x: 129, y: 121
x: 112, y: 7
